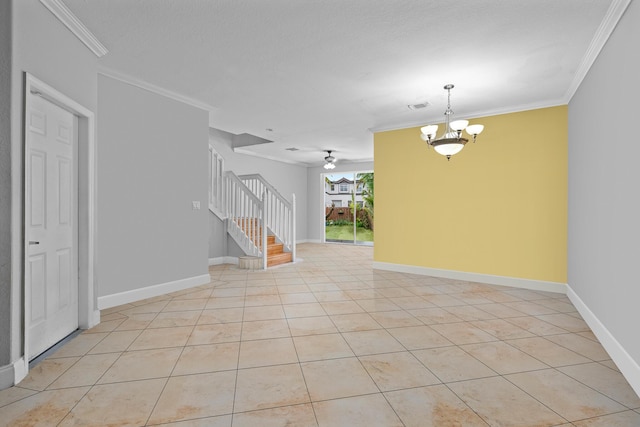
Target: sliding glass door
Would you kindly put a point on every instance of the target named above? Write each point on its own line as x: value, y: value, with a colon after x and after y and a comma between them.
x: 348, y: 207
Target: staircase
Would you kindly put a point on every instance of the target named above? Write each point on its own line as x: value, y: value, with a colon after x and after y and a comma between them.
x: 252, y: 205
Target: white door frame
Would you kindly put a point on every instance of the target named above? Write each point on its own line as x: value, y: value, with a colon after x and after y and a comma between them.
x: 88, y: 313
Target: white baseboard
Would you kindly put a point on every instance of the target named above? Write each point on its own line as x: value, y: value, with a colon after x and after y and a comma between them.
x: 629, y: 367
x: 223, y: 260
x: 108, y: 301
x: 516, y: 282
x: 13, y: 373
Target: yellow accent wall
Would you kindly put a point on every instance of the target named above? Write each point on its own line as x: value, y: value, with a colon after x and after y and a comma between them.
x: 498, y: 207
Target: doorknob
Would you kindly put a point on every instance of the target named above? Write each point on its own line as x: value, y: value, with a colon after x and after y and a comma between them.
x: 33, y: 242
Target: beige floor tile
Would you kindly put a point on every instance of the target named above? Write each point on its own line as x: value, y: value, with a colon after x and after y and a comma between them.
x: 330, y: 296
x: 548, y: 352
x: 185, y: 305
x: 143, y: 364
x: 377, y: 304
x: 175, y: 318
x: 298, y: 298
x: 336, y: 378
x: 417, y: 337
x: 360, y: 411
x: 79, y: 345
x: 372, y: 342
x: 285, y: 416
x: 106, y: 325
x: 43, y: 409
x: 126, y: 404
x: 263, y: 329
x: 13, y: 394
x: 431, y: 316
x: 610, y: 364
x: 263, y: 313
x: 227, y: 302
x: 207, y: 358
x: 394, y: 292
x: 219, y: 421
x: 86, y: 371
x: 581, y: 345
x: 453, y: 364
x: 195, y: 396
x: 502, y: 329
x: 196, y: 294
x: 136, y: 322
x: 607, y: 381
x: 566, y: 322
x: 301, y: 326
x: 469, y: 313
x: 503, y: 358
x: 162, y: 338
x: 320, y: 347
x: 501, y: 403
x: 155, y: 307
x: 394, y: 371
x: 621, y: 419
x: 300, y: 287
x: 355, y: 322
x: 261, y: 290
x: 270, y: 387
x: 529, y: 308
x: 304, y: 310
x: 413, y: 302
x: 536, y: 326
x: 215, y: 333
x: 275, y: 351
x: 500, y: 311
x: 362, y: 294
x: 46, y: 372
x: 434, y: 406
x: 396, y: 319
x: 341, y: 307
x: 463, y: 333
x: 564, y: 395
x: 443, y: 300
x: 221, y: 315
x: 261, y: 300
x: 116, y: 342
x: 227, y: 292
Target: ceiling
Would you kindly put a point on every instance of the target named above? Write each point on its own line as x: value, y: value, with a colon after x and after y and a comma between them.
x: 322, y: 74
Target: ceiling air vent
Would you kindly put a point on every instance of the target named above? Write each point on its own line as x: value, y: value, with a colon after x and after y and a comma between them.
x: 418, y: 106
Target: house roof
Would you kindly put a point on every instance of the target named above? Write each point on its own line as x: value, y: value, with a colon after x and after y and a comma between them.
x: 322, y: 74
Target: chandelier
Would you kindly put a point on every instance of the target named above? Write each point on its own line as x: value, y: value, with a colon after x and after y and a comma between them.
x: 451, y: 141
x: 329, y: 161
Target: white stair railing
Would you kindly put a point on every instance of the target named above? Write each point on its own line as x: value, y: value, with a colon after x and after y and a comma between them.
x: 280, y: 214
x: 245, y: 214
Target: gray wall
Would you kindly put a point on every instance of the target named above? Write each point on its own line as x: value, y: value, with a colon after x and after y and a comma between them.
x: 42, y: 46
x: 604, y: 177
x: 286, y: 178
x: 315, y: 194
x: 5, y: 183
x: 152, y: 163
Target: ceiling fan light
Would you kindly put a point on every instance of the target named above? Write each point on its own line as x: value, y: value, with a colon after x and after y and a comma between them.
x: 329, y: 166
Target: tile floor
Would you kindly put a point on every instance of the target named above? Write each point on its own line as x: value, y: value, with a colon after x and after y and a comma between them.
x: 330, y: 342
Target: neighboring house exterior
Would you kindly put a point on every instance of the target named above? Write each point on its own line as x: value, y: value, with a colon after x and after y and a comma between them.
x: 339, y: 193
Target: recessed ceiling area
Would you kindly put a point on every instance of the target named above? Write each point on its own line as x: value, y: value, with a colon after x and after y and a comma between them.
x: 322, y: 74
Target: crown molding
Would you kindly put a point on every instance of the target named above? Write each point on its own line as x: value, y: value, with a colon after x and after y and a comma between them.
x: 473, y: 115
x: 608, y: 24
x: 71, y: 21
x: 125, y: 78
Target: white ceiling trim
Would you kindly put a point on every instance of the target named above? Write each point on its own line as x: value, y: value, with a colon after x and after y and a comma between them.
x: 125, y: 78
x: 473, y: 115
x: 71, y: 21
x: 241, y: 150
x: 608, y: 24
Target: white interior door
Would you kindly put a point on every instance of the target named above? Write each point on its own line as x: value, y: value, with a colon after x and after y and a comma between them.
x: 51, y: 222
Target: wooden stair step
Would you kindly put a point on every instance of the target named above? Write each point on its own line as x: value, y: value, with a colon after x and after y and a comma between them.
x: 278, y: 259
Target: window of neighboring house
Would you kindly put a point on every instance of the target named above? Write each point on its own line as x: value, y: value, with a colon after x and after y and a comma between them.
x: 337, y: 203
x: 344, y: 188
x: 333, y: 187
x: 359, y: 204
x: 216, y: 174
